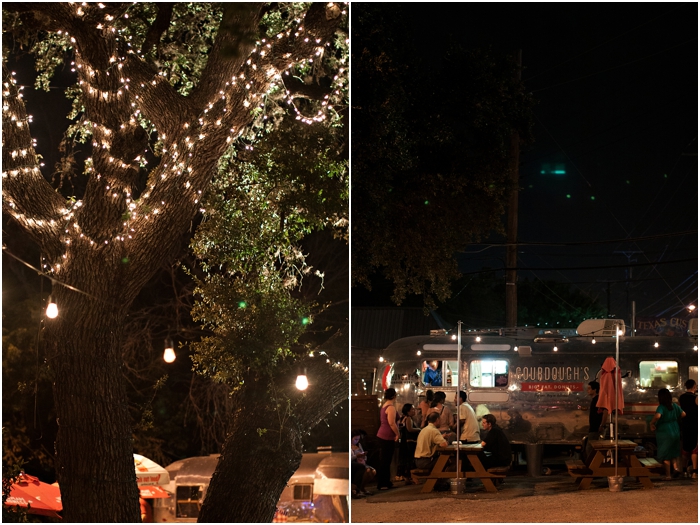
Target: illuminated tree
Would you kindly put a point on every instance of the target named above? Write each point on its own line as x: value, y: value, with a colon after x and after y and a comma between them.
x: 179, y: 83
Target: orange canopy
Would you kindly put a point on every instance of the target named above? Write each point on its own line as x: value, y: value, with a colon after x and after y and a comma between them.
x: 36, y: 496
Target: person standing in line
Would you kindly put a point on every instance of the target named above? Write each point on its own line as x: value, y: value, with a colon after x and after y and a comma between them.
x: 666, y: 423
x: 425, y: 407
x: 689, y: 426
x: 597, y: 418
x: 407, y: 445
x: 387, y: 435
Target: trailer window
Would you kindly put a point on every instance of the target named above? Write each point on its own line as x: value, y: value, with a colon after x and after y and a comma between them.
x: 658, y: 374
x: 488, y: 373
x: 432, y: 373
x: 450, y: 373
x: 189, y: 500
x: 303, y: 492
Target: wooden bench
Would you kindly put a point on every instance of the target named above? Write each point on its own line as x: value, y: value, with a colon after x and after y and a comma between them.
x: 419, y: 475
x: 651, y: 463
x: 578, y: 469
x: 575, y: 464
x: 499, y: 473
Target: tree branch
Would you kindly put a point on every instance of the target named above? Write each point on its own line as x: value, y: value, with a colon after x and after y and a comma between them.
x: 27, y: 196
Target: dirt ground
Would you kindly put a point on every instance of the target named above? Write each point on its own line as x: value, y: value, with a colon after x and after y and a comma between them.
x: 522, y: 499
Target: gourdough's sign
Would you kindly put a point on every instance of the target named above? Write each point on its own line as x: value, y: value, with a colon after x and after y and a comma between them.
x: 551, y: 378
x: 551, y: 373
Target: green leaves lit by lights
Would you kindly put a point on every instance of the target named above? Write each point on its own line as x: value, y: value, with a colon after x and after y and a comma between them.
x: 125, y: 260
x: 426, y: 202
x: 568, y: 195
x: 592, y: 197
x: 242, y: 304
x: 305, y: 321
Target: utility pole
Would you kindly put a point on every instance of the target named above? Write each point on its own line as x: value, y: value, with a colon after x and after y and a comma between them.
x: 512, y: 230
x: 630, y: 254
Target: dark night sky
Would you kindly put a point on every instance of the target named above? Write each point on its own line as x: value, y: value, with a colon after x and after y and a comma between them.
x: 616, y: 90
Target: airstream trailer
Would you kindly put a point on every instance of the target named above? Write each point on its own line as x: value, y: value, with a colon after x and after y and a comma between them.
x: 318, y: 490
x: 535, y: 381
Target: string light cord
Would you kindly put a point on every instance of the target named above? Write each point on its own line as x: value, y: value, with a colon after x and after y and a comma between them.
x: 51, y: 278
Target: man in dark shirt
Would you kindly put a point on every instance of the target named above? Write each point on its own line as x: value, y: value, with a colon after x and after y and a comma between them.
x: 496, y: 443
x: 596, y: 420
x: 689, y: 424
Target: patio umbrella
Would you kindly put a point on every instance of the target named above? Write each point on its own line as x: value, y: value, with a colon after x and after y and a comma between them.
x: 610, y: 396
x: 608, y: 388
x: 149, y: 472
x: 36, y: 496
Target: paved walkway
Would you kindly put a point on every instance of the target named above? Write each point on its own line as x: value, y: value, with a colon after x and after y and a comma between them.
x: 525, y: 499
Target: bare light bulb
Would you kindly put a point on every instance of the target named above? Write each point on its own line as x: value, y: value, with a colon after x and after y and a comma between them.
x: 302, y: 382
x: 51, y: 309
x: 169, y: 353
x: 593, y: 341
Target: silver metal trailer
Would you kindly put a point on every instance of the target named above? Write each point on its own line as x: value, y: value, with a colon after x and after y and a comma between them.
x: 318, y: 490
x: 535, y: 381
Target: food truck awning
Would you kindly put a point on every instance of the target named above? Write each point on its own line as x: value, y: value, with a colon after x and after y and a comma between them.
x: 149, y: 472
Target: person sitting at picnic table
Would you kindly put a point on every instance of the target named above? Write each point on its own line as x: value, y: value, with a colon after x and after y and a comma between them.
x: 495, y: 443
x: 468, y: 424
x: 428, y: 442
x: 446, y: 416
x: 361, y: 473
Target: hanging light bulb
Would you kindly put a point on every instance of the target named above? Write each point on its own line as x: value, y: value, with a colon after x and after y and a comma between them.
x: 302, y: 381
x: 51, y: 309
x: 556, y: 349
x: 656, y: 344
x: 478, y: 338
x: 169, y: 353
x: 381, y: 359
x: 593, y: 341
x: 418, y: 352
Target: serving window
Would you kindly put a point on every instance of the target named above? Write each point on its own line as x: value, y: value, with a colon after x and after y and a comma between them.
x: 189, y: 501
x: 658, y: 374
x: 488, y: 373
x: 439, y: 372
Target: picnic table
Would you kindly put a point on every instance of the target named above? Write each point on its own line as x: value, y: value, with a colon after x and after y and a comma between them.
x: 601, y: 464
x: 471, y: 453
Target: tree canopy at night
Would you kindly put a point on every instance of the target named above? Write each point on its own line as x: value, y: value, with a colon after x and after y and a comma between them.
x: 431, y: 138
x: 165, y: 98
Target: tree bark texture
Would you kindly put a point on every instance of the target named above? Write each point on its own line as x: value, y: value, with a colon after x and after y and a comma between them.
x: 101, y: 249
x: 264, y: 447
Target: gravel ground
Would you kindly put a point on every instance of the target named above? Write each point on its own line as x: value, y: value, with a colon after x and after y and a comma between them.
x: 540, y: 500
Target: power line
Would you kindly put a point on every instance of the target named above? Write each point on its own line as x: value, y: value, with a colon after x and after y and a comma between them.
x: 563, y: 269
x: 581, y: 243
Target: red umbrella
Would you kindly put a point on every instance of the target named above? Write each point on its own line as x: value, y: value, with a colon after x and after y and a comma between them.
x: 37, y: 497
x: 606, y: 398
